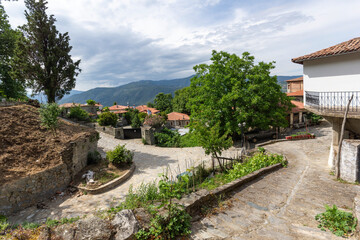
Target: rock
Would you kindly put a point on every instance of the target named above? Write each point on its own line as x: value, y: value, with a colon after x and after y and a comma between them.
x: 45, y: 234
x: 126, y: 225
x: 143, y: 217
x: 64, y: 232
x: 93, y: 228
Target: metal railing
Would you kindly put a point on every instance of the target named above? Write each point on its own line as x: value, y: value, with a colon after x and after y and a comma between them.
x: 333, y: 101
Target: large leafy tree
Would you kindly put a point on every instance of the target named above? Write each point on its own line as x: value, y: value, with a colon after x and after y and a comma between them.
x: 180, y: 102
x: 9, y: 87
x: 234, y: 94
x: 42, y: 56
x: 162, y: 102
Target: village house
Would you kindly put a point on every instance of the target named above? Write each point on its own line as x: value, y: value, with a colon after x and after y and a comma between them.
x: 176, y: 120
x: 331, y: 77
x: 118, y: 109
x: 295, y: 89
x: 148, y: 110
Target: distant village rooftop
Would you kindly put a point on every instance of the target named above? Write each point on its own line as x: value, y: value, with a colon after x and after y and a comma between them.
x: 350, y: 46
x: 295, y: 79
x: 175, y: 116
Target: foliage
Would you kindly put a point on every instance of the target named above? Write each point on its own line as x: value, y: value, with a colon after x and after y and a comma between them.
x: 9, y: 87
x: 107, y: 119
x: 166, y: 227
x: 162, y: 102
x: 150, y: 105
x: 142, y: 116
x: 30, y: 225
x: 93, y: 157
x: 129, y: 115
x: 233, y: 90
x: 4, y: 224
x: 106, y: 109
x: 313, y: 117
x: 135, y: 121
x: 189, y: 140
x: 115, y: 103
x: 167, y: 138
x: 91, y: 102
x: 154, y: 121
x: 78, y: 114
x: 42, y: 55
x: 256, y: 162
x: 339, y: 222
x: 181, y: 103
x: 49, y: 116
x: 120, y: 155
x: 53, y: 222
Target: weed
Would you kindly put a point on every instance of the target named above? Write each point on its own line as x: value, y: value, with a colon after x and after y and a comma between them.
x: 4, y: 224
x: 53, y: 222
x: 30, y: 225
x: 339, y: 222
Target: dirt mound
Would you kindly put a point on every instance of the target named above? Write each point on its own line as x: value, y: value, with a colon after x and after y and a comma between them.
x: 26, y: 147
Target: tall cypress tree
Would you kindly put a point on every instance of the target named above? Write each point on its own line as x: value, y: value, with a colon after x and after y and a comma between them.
x: 9, y: 87
x: 42, y: 56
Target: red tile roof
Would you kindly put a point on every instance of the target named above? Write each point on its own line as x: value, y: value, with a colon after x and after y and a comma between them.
x: 296, y: 94
x: 295, y: 79
x: 120, y: 111
x: 350, y: 46
x: 117, y: 107
x: 299, y: 106
x: 175, y: 116
x: 144, y: 108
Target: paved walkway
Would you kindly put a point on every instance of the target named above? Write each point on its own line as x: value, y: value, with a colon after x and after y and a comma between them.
x: 150, y: 161
x: 283, y: 204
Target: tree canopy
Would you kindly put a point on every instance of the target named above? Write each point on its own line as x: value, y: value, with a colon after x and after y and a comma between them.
x: 180, y: 102
x: 162, y: 102
x: 9, y: 87
x: 42, y: 56
x: 231, y: 92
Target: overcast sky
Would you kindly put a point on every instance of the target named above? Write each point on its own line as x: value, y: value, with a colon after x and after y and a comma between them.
x: 120, y: 41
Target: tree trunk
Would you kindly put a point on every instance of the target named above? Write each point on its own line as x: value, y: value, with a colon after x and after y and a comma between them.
x: 337, y: 165
x: 221, y: 166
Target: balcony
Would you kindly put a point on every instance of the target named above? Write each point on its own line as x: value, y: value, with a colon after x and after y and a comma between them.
x: 333, y: 104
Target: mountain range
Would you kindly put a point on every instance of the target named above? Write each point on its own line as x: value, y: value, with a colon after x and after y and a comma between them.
x: 138, y: 93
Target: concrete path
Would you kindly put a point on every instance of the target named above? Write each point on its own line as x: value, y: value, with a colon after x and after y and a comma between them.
x: 283, y: 204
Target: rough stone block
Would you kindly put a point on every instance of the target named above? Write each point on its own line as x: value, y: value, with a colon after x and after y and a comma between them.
x: 349, y: 160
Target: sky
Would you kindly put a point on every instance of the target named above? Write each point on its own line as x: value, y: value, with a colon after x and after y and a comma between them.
x: 121, y: 41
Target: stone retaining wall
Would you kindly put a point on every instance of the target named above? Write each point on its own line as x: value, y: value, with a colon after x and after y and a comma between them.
x: 350, y: 160
x: 27, y: 191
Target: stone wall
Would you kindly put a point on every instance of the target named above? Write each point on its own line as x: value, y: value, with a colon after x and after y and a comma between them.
x: 27, y: 191
x: 349, y: 160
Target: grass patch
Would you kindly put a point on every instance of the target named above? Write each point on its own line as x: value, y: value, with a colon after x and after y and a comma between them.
x: 105, y: 177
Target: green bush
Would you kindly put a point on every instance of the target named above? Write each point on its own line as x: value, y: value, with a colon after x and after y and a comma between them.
x: 154, y: 120
x: 339, y: 222
x: 120, y: 155
x: 4, y: 224
x: 78, y: 114
x: 167, y: 138
x: 90, y: 102
x: 135, y: 121
x: 189, y: 140
x: 107, y: 119
x: 49, y: 116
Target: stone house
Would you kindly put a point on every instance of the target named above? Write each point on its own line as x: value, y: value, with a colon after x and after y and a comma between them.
x: 176, y: 120
x: 91, y: 109
x: 331, y: 76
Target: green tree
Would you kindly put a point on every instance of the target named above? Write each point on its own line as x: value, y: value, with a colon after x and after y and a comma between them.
x: 91, y: 102
x: 150, y: 104
x: 135, y: 121
x: 181, y: 103
x: 49, y: 116
x: 115, y: 103
x: 9, y: 87
x: 107, y: 118
x: 162, y: 102
x: 231, y: 92
x: 42, y: 56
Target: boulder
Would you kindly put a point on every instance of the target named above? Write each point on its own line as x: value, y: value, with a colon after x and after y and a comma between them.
x: 125, y: 225
x: 93, y: 228
x: 143, y: 217
x: 64, y: 232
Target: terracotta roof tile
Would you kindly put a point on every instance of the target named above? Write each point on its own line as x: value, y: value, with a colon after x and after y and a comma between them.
x: 296, y: 94
x: 295, y: 79
x: 117, y: 107
x: 175, y: 116
x: 350, y: 46
x: 299, y: 106
x: 144, y: 108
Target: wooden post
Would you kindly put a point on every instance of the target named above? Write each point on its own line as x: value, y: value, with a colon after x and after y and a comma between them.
x: 337, y: 165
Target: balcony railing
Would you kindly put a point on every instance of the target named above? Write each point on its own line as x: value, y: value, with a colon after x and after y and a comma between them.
x: 333, y: 101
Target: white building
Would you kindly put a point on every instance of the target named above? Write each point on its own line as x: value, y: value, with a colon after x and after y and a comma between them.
x: 331, y: 77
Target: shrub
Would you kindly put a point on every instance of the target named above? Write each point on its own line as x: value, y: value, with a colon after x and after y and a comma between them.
x: 106, y: 109
x: 135, y: 121
x: 142, y: 116
x: 49, y: 116
x: 339, y: 222
x: 4, y: 224
x: 154, y: 121
x: 90, y: 102
x: 120, y: 155
x: 107, y: 118
x: 167, y: 138
x: 93, y: 157
x: 78, y: 114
